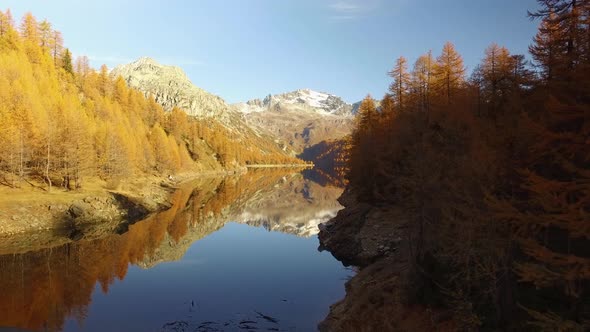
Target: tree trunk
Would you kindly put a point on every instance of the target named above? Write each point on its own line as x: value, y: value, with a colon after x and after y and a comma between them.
x: 448, y: 89
x: 21, y: 170
x: 47, y: 166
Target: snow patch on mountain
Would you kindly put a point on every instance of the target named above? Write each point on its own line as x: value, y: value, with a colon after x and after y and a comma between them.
x: 301, y: 118
x: 303, y: 100
x: 309, y: 97
x: 246, y: 108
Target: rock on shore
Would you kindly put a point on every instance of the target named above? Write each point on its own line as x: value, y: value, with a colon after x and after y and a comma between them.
x: 373, y: 239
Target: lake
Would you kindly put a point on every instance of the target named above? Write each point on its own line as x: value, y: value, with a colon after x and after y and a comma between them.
x: 232, y: 254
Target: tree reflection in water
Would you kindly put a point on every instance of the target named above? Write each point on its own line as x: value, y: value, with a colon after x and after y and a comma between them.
x: 42, y: 288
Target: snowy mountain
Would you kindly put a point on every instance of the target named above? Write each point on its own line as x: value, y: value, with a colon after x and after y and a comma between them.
x: 300, y: 100
x: 301, y: 118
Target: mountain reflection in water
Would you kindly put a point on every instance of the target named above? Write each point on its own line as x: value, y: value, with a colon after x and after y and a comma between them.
x: 295, y: 206
x: 43, y: 289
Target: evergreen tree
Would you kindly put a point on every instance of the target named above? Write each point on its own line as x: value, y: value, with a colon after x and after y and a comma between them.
x: 66, y: 62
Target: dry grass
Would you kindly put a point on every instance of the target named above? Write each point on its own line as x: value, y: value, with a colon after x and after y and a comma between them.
x: 27, y: 194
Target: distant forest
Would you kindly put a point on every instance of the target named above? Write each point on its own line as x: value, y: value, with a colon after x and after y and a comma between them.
x: 62, y: 121
x: 492, y: 173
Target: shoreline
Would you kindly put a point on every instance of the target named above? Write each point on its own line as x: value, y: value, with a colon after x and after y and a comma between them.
x: 373, y: 239
x: 37, y: 219
x: 281, y: 166
x: 31, y: 210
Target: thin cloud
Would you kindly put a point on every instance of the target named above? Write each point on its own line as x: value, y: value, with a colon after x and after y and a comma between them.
x: 345, y: 7
x: 348, y: 10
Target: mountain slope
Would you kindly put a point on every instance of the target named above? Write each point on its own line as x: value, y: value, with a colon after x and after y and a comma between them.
x: 285, y: 124
x: 171, y: 88
x: 301, y: 118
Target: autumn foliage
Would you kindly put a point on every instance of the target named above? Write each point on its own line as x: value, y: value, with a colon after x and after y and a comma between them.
x: 62, y: 121
x: 492, y: 175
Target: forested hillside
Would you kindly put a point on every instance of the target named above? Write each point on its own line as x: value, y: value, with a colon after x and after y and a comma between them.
x: 62, y: 121
x: 491, y: 174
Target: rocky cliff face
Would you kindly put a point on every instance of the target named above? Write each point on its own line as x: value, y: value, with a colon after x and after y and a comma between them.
x: 170, y: 87
x: 301, y: 118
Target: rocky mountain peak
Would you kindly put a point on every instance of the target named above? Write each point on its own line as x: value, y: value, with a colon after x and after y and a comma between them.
x: 145, y: 60
x: 301, y: 100
x: 300, y: 118
x: 171, y: 87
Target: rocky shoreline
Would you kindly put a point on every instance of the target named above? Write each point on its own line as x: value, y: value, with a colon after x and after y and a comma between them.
x: 373, y: 239
x: 47, y: 221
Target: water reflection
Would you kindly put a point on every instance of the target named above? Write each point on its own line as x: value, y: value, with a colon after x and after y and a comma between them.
x: 296, y: 205
x: 45, y: 289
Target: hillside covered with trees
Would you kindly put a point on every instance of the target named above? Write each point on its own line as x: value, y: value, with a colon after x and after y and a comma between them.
x: 491, y: 177
x: 62, y: 121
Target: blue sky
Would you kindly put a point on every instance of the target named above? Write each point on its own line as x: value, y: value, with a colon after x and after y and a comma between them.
x: 244, y: 49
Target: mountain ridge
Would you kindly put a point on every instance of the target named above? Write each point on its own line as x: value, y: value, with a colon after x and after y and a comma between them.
x: 307, y: 99
x: 171, y: 87
x: 301, y: 118
x: 291, y: 121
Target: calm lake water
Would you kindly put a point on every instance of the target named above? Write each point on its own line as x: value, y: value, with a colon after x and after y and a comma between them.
x: 232, y: 254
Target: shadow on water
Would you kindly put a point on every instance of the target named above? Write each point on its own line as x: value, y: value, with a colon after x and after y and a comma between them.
x: 325, y: 178
x: 43, y: 288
